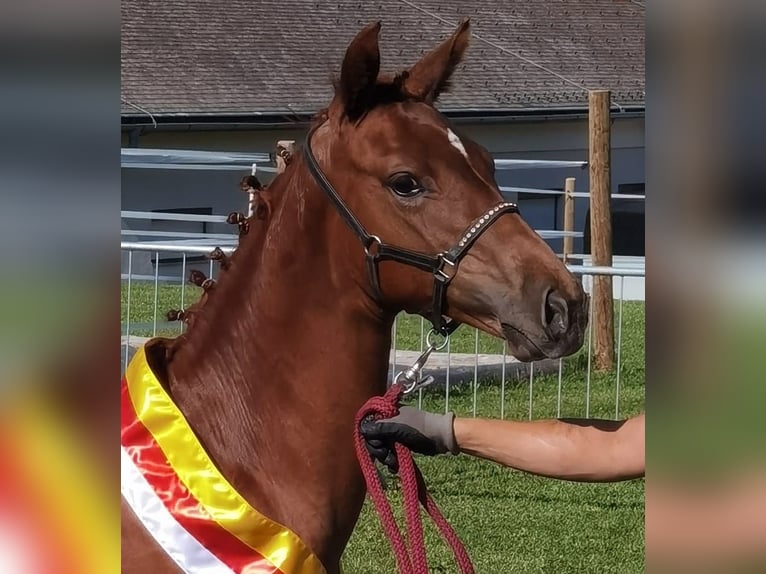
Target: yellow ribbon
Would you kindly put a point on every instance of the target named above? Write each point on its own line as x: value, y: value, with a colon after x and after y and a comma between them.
x: 156, y: 410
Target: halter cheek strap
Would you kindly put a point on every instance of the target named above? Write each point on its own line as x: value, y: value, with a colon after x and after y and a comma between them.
x: 443, y: 265
x: 451, y: 259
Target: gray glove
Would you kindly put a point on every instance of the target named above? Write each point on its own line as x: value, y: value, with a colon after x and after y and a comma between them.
x: 420, y: 431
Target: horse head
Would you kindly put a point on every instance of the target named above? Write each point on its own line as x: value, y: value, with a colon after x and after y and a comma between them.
x: 436, y: 237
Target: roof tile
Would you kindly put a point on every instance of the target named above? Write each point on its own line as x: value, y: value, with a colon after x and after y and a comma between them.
x: 271, y: 57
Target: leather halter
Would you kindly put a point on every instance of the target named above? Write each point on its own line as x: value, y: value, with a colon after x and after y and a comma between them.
x: 443, y: 265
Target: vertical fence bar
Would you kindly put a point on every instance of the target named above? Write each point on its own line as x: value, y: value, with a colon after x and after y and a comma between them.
x: 475, y: 369
x: 422, y: 347
x: 393, y: 345
x: 590, y: 354
x: 569, y: 216
x: 156, y: 291
x: 127, y: 307
x: 183, y: 288
x: 502, y: 384
x: 558, y: 398
x: 531, y: 377
x: 619, y: 350
x: 447, y: 382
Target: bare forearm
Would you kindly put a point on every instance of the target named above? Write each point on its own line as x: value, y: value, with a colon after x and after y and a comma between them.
x: 580, y: 450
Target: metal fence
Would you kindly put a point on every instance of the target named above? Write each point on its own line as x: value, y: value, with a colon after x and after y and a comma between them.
x: 474, y: 374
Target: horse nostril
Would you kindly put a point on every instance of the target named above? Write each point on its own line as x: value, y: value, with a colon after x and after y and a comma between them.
x: 556, y: 314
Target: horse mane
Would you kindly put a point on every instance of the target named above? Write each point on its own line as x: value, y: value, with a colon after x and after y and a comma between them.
x: 253, y: 232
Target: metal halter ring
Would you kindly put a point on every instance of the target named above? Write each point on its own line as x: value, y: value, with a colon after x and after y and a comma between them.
x: 436, y: 347
x: 374, y: 239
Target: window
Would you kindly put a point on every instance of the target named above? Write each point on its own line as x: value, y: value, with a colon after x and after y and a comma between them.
x: 628, y: 221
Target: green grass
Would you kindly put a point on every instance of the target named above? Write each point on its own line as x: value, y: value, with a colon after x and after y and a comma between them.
x: 516, y: 523
x: 510, y: 522
x: 142, y: 306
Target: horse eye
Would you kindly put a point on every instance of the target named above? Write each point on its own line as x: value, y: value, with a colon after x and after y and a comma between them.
x: 405, y: 185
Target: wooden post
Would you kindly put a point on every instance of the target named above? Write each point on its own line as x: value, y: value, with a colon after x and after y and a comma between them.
x: 601, y: 227
x: 251, y: 194
x: 569, y: 216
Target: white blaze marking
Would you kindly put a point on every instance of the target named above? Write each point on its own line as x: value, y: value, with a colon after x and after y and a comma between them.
x: 455, y: 141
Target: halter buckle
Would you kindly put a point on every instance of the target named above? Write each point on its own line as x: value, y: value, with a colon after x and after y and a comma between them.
x: 445, y: 259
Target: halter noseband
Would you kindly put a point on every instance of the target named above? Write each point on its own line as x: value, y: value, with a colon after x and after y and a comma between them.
x: 375, y: 250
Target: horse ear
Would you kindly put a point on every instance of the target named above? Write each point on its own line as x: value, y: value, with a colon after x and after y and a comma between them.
x: 359, y: 72
x: 431, y: 75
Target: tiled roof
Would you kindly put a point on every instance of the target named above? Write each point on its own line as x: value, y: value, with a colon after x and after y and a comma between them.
x: 262, y: 57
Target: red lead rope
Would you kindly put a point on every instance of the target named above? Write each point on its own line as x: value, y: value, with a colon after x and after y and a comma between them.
x: 412, y: 560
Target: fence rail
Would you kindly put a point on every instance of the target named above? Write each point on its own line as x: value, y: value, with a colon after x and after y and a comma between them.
x: 165, y: 216
x: 541, y: 191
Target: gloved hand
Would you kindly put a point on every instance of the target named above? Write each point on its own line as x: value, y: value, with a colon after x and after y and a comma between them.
x: 420, y: 431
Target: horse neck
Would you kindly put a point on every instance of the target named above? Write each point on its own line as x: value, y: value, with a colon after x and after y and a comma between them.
x: 283, y: 354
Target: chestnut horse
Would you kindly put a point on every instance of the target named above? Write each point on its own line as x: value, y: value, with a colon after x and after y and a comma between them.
x: 296, y: 334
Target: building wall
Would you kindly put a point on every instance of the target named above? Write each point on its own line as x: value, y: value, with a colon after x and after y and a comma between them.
x: 152, y: 189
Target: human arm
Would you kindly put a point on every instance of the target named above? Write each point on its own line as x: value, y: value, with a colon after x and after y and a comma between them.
x: 585, y: 450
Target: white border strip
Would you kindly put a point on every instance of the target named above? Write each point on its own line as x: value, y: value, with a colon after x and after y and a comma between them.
x: 185, y: 550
